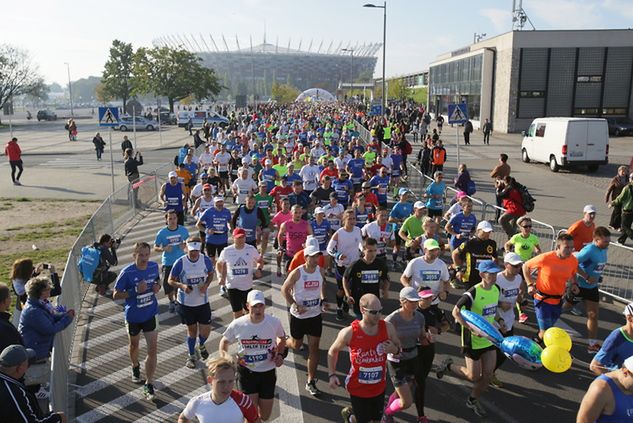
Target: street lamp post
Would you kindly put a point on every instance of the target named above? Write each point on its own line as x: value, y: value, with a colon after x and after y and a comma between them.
x: 351, y: 66
x: 70, y: 90
x: 384, y: 50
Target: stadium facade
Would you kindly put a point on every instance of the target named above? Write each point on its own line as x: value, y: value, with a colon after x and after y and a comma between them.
x: 252, y: 70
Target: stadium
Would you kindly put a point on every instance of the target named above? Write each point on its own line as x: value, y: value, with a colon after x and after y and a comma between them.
x: 251, y: 70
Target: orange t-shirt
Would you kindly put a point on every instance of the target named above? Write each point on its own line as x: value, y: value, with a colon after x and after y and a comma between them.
x: 553, y: 274
x: 582, y: 234
x: 299, y: 260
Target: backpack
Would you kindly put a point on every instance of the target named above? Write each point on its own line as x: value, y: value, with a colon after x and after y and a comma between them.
x: 408, y: 149
x: 526, y: 197
x: 88, y: 263
x: 471, y: 187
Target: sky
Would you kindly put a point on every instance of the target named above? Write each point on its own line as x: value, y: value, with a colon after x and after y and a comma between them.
x: 79, y: 33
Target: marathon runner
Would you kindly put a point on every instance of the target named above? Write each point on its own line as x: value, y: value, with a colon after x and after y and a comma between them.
x: 172, y: 195
x: 382, y: 231
x: 469, y: 254
x: 215, y: 222
x: 250, y: 218
x: 170, y: 241
x: 293, y: 233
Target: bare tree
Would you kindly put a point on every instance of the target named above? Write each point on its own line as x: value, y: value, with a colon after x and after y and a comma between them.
x: 18, y: 76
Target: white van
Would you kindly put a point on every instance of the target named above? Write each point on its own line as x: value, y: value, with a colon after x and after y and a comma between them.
x: 567, y: 142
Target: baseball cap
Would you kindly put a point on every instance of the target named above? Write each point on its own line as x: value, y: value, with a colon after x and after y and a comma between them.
x: 409, y: 293
x: 628, y: 363
x: 425, y: 292
x: 419, y: 205
x: 204, y: 175
x: 194, y: 246
x: 14, y: 355
x: 431, y: 244
x: 218, y: 198
x: 512, y: 258
x: 238, y: 232
x: 255, y: 297
x: 366, y: 185
x: 628, y: 310
x: 246, y: 159
x: 488, y: 266
x: 485, y: 226
x: 206, y: 186
x: 589, y: 208
x: 460, y: 195
x: 403, y: 191
x: 319, y: 210
x: 172, y: 174
x: 311, y: 250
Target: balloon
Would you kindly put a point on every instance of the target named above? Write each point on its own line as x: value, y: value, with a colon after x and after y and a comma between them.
x: 557, y: 336
x: 482, y: 327
x: 523, y: 351
x: 556, y: 359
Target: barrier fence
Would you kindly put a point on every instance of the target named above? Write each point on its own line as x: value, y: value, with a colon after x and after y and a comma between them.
x: 617, y: 277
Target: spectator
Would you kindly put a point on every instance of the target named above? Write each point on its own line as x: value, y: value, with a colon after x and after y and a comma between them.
x: 424, y: 158
x: 487, y: 128
x: 498, y: 173
x: 126, y: 144
x: 8, y: 332
x: 512, y: 203
x: 103, y: 277
x: 625, y: 202
x: 616, y: 186
x: 21, y: 272
x: 468, y: 129
x: 462, y: 180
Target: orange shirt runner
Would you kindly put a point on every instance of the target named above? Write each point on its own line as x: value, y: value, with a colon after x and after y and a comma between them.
x: 553, y: 274
x: 582, y: 234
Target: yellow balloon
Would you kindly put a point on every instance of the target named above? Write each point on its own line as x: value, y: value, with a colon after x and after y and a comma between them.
x: 556, y: 359
x: 557, y: 336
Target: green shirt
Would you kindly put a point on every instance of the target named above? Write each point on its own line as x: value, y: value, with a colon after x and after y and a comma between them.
x: 412, y: 226
x: 281, y: 171
x: 369, y: 157
x: 625, y: 199
x: 483, y: 302
x: 264, y: 202
x: 524, y: 247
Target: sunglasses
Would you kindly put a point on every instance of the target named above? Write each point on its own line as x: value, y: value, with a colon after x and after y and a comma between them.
x: 372, y: 312
x: 526, y: 226
x: 516, y: 266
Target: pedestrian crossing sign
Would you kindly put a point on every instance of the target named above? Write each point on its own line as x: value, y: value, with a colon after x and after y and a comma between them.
x: 108, y: 116
x: 457, y: 113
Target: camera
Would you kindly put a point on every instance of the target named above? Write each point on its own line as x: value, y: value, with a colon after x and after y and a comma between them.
x: 45, y: 266
x: 116, y: 242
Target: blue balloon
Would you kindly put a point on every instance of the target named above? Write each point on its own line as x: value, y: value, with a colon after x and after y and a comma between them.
x: 482, y: 327
x: 523, y: 351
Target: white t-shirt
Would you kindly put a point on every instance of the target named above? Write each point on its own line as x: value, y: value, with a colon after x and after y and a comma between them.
x: 244, y: 187
x: 372, y: 230
x: 333, y: 214
x: 205, y: 159
x: 427, y: 274
x: 508, y: 293
x: 205, y: 410
x: 310, y: 175
x: 349, y: 244
x: 251, y: 171
x: 454, y: 209
x: 255, y: 341
x: 388, y: 163
x: 223, y: 161
x: 240, y: 265
x: 341, y: 163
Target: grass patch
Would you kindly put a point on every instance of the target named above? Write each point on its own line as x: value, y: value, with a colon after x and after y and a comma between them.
x: 56, y: 256
x: 47, y: 234
x: 23, y: 200
x: 6, y: 206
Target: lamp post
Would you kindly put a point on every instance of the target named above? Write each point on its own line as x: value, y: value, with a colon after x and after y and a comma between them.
x: 384, y: 50
x: 351, y: 73
x: 70, y: 90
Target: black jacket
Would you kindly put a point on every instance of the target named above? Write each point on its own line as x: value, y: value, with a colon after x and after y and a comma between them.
x: 20, y: 405
x: 9, y: 334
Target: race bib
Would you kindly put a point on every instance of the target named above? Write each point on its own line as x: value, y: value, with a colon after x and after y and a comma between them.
x: 144, y: 300
x: 312, y: 303
x: 369, y: 276
x: 370, y: 375
x: 489, y: 310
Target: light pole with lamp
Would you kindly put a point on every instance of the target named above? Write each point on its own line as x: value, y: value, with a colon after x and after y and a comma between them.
x: 384, y: 49
x: 351, y: 73
x: 70, y: 90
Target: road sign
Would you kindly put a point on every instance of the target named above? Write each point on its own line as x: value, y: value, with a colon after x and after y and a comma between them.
x: 457, y: 113
x: 108, y: 116
x: 375, y: 110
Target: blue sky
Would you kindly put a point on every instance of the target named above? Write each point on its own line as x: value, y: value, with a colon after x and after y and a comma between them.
x: 80, y: 32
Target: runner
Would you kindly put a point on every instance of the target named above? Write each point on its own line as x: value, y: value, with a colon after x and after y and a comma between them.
x: 264, y: 202
x: 617, y: 347
x: 411, y: 230
x: 334, y: 212
x: 192, y: 275
x: 398, y: 214
x: 250, y: 218
x: 310, y: 175
x: 321, y: 196
x: 172, y: 195
x: 362, y: 211
x: 435, y: 196
x: 469, y: 254
x: 281, y: 191
x: 380, y: 183
x: 215, y: 222
x: 462, y: 225
x: 170, y: 241
x: 243, y: 186
x: 524, y: 243
x: 343, y: 188
x: 321, y: 228
x: 300, y: 197
x: 283, y: 215
x: 344, y: 247
x: 369, y: 341
x: 223, y: 404
x: 14, y: 153
x: 261, y: 347
x: 356, y: 168
x: 304, y: 291
x: 582, y: 230
x: 268, y: 175
x: 382, y: 231
x: 293, y: 233
x: 237, y: 265
x: 138, y: 283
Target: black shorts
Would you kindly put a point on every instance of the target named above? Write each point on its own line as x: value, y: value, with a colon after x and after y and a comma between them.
x: 476, y: 354
x: 403, y: 372
x: 261, y: 383
x: 181, y: 217
x: 339, y: 272
x: 166, y: 286
x: 147, y: 326
x: 434, y: 212
x: 312, y: 326
x: 215, y: 249
x: 237, y: 298
x: 224, y: 175
x: 589, y: 294
x: 437, y: 315
x: 368, y: 409
x: 191, y: 315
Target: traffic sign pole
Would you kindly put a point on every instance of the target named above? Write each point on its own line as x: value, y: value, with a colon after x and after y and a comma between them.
x: 111, y: 160
x: 458, y: 114
x: 134, y: 124
x: 457, y: 143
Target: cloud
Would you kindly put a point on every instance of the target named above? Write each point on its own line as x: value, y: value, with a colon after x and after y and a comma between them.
x: 501, y: 19
x: 621, y: 7
x: 563, y: 14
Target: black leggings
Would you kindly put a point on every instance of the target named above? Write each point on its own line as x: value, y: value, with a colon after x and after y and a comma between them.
x: 426, y: 354
x: 16, y: 165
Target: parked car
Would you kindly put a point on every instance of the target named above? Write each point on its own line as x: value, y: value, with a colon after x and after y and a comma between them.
x: 46, y: 115
x: 167, y: 118
x: 198, y: 117
x: 620, y: 126
x: 126, y: 123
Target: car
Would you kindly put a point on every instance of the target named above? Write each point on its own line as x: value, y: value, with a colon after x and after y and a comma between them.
x: 46, y: 115
x: 198, y: 116
x: 126, y: 123
x: 620, y: 126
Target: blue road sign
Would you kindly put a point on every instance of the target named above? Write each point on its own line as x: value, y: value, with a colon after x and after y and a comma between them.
x: 457, y: 113
x: 108, y: 116
x: 375, y: 110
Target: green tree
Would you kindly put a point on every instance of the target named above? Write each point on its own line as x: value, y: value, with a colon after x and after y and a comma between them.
x: 174, y: 74
x: 117, y: 73
x: 284, y: 93
x: 18, y: 76
x: 397, y: 89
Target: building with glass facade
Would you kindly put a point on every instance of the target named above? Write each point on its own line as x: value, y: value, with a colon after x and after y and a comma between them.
x: 521, y: 75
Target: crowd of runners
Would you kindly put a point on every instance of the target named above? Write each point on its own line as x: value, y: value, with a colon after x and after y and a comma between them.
x: 294, y: 188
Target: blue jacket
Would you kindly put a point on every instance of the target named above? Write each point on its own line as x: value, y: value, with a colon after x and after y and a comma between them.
x: 38, y: 327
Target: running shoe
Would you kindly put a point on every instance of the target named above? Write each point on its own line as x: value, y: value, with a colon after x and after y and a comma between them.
x: 136, y: 374
x: 148, y: 391
x: 523, y: 318
x: 172, y: 306
x: 446, y: 363
x: 476, y: 407
x: 16, y: 183
x: 345, y: 306
x: 312, y: 388
x: 423, y: 419
x: 339, y: 314
x: 576, y: 311
x: 494, y: 381
x: 347, y: 414
x: 593, y: 348
x: 202, y: 351
x: 191, y: 361
x: 224, y: 293
x: 278, y: 273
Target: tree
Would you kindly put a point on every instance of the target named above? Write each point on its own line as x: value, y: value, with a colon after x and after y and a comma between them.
x: 171, y: 73
x: 398, y: 89
x: 18, y: 76
x: 84, y: 89
x: 284, y: 93
x: 117, y: 73
x: 101, y: 94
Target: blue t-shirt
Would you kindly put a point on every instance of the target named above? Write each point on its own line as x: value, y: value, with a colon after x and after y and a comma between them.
x: 381, y: 185
x: 356, y: 167
x: 435, y: 189
x: 139, y: 306
x: 343, y: 189
x: 321, y: 232
x: 269, y: 176
x: 464, y: 225
x: 401, y: 210
x: 174, y: 238
x: 293, y: 177
x: 216, y: 222
x: 396, y: 161
x: 615, y: 349
x: 592, y: 260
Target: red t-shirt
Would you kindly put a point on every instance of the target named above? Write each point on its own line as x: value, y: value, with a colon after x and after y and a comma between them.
x: 368, y: 362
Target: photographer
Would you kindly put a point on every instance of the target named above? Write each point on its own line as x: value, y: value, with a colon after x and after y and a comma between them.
x: 23, y: 270
x: 103, y: 276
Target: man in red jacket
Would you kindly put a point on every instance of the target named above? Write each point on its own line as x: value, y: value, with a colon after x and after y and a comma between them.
x: 512, y: 202
x: 12, y: 150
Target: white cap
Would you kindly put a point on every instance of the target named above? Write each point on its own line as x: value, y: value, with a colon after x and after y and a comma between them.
x: 485, y: 226
x: 589, y: 208
x: 311, y: 240
x: 246, y: 159
x: 419, y: 205
x: 218, y: 198
x: 255, y: 297
x: 194, y: 246
x: 319, y: 210
x: 628, y: 363
x: 311, y: 250
x: 512, y: 258
x: 268, y: 162
x: 172, y: 174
